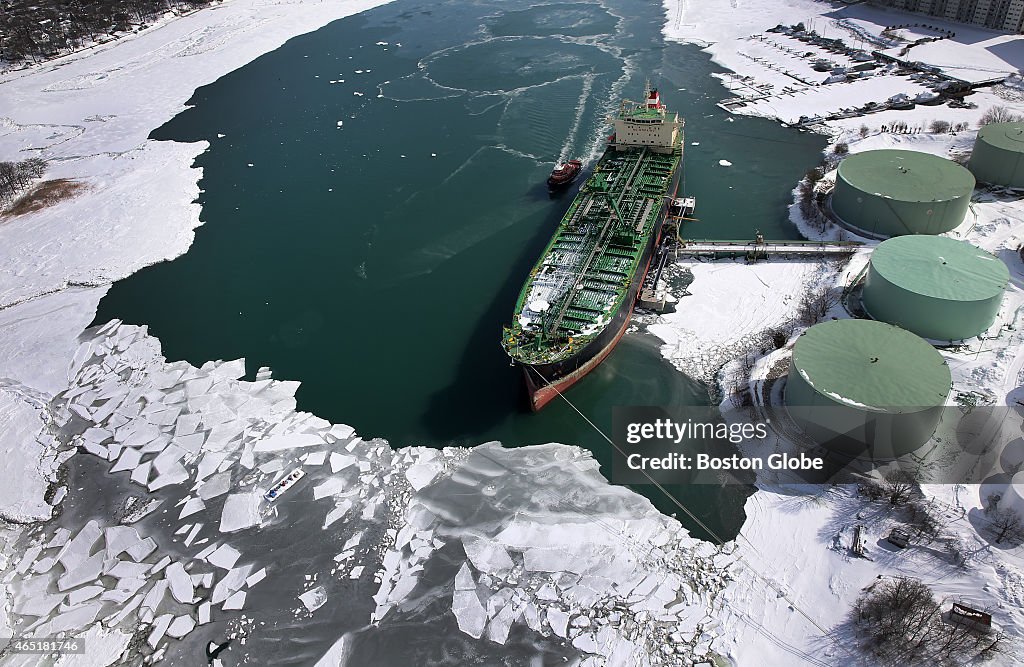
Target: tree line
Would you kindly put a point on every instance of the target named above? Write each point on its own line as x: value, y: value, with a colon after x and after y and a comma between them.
x: 42, y: 29
x: 16, y: 176
x: 899, y: 622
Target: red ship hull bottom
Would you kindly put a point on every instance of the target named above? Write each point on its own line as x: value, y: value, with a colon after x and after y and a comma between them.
x: 542, y: 394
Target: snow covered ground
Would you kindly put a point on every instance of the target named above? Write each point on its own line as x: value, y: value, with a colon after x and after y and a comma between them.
x: 973, y: 54
x: 810, y: 530
x: 699, y: 340
x: 773, y: 71
x: 796, y: 539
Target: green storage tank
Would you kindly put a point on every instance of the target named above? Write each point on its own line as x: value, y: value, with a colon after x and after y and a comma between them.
x: 936, y: 287
x: 998, y: 155
x: 887, y: 193
x: 864, y: 387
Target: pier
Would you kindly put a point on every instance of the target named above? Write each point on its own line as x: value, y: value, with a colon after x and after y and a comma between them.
x: 760, y: 248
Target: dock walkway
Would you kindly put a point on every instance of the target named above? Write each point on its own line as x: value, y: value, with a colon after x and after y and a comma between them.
x: 765, y: 248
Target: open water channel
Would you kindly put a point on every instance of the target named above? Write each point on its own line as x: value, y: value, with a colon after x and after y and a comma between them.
x: 373, y: 198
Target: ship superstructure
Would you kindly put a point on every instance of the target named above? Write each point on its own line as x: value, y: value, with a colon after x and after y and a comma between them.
x: 576, y: 303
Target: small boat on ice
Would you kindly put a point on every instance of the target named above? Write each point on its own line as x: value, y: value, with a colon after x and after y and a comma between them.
x: 288, y: 482
x: 564, y: 173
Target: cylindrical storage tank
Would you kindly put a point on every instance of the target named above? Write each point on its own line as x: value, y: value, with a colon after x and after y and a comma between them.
x: 1013, y: 496
x: 934, y: 286
x: 1006, y: 490
x: 864, y: 387
x: 998, y: 155
x: 891, y: 192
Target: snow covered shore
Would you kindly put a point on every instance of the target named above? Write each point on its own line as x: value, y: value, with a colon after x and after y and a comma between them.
x: 773, y: 74
x: 89, y: 115
x: 797, y: 539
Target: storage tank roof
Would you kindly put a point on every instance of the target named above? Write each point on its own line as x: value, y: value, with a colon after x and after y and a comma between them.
x: 1007, y: 136
x: 909, y: 176
x: 940, y: 267
x: 871, y: 365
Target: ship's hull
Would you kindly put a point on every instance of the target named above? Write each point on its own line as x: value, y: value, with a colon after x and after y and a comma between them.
x: 546, y: 381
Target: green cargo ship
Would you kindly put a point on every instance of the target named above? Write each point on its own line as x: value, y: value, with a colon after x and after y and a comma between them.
x: 577, y: 301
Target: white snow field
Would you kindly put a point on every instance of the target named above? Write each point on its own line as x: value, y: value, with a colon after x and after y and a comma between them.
x: 29, y: 460
x: 801, y: 535
x: 698, y: 340
x: 774, y: 73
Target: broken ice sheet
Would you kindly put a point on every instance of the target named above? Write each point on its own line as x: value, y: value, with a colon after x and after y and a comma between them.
x: 470, y: 614
x: 180, y: 583
x: 181, y: 626
x: 192, y: 505
x: 236, y: 601
x: 314, y: 598
x: 224, y: 557
x: 290, y: 441
x: 241, y: 511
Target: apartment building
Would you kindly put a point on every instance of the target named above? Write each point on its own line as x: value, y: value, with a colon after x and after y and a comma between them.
x: 1005, y: 15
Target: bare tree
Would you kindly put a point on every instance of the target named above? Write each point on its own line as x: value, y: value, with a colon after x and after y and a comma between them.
x: 924, y: 519
x: 895, y: 612
x: 871, y: 489
x: 959, y: 552
x: 901, y: 622
x: 939, y: 127
x: 806, y: 197
x: 815, y: 304
x: 1007, y: 524
x: 900, y: 486
x: 34, y: 167
x: 997, y: 114
x: 16, y: 176
x: 739, y: 392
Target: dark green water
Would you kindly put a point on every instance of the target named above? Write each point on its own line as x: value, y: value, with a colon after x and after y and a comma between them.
x: 377, y: 261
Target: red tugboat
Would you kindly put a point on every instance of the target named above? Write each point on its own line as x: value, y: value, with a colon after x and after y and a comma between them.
x: 564, y: 173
